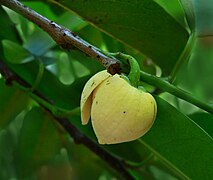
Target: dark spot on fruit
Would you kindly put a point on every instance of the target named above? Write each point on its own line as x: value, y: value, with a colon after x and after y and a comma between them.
x: 107, y: 82
x: 124, y: 112
x: 92, y: 84
x: 96, y: 102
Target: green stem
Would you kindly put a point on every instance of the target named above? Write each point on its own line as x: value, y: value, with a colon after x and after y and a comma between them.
x: 168, y: 87
x: 38, y: 77
x: 165, y: 85
x: 57, y: 111
x: 134, y: 73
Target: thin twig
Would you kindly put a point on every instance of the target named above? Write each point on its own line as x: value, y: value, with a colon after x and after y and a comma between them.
x: 63, y: 36
x: 79, y: 138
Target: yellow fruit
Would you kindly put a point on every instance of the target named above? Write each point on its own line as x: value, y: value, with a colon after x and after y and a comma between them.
x: 86, y: 96
x: 119, y: 111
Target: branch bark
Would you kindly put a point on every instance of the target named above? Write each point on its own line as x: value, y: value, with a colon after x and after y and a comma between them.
x: 67, y: 39
x: 63, y: 36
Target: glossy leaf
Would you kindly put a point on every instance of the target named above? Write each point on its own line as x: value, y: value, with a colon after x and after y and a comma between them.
x: 174, y: 8
x: 12, y: 102
x: 189, y: 12
x: 144, y: 25
x: 181, y: 10
x: 38, y: 142
x: 174, y: 139
x: 180, y: 143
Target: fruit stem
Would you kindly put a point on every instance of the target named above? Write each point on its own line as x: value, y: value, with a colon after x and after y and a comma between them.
x: 134, y: 73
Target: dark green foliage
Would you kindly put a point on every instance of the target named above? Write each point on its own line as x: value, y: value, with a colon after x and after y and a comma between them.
x: 33, y: 145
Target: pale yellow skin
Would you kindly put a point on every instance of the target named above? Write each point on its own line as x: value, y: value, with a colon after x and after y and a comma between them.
x: 86, y: 96
x: 119, y: 111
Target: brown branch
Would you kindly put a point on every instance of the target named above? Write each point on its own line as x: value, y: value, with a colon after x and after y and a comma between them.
x: 66, y: 39
x: 79, y: 138
x: 63, y: 36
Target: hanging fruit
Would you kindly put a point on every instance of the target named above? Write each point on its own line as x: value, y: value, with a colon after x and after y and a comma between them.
x: 119, y: 110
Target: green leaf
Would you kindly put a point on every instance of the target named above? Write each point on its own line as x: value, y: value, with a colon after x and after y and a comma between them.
x: 180, y: 143
x: 7, y: 29
x: 38, y: 142
x: 204, y: 120
x: 89, y: 63
x: 15, y: 53
x: 174, y: 8
x: 195, y: 76
x: 6, y: 154
x: 174, y: 140
x: 12, y: 102
x: 144, y: 25
x: 84, y: 162
x: 39, y: 42
x: 63, y: 96
x: 181, y: 10
x: 189, y: 12
x: 136, y: 153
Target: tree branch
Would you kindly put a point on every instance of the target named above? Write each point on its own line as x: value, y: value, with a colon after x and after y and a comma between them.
x: 67, y: 39
x: 79, y: 138
x: 63, y: 36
